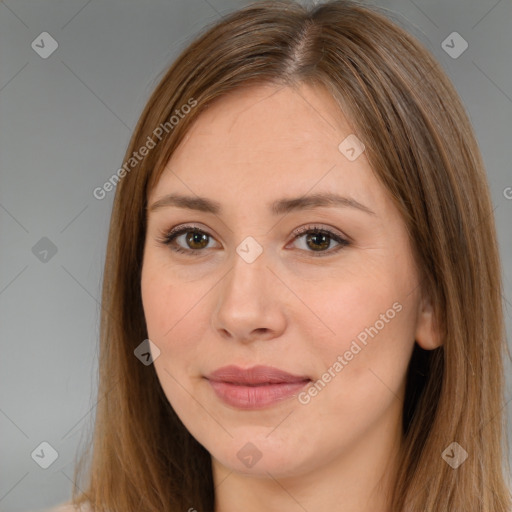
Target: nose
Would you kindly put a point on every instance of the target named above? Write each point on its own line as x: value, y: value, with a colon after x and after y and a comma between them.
x: 250, y: 303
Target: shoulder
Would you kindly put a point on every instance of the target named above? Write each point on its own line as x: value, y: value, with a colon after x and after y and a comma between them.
x: 67, y: 507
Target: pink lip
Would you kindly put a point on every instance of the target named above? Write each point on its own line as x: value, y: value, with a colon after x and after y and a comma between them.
x: 256, y: 387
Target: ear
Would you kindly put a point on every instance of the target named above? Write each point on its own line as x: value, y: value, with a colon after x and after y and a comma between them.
x: 427, y: 333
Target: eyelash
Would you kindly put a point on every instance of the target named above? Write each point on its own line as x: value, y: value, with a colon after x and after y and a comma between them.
x: 168, y: 238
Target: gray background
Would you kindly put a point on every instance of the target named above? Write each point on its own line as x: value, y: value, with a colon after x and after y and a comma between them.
x: 65, y: 122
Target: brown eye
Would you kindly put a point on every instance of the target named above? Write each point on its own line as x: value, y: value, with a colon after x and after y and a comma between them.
x: 194, y: 240
x: 318, y: 240
x: 197, y: 239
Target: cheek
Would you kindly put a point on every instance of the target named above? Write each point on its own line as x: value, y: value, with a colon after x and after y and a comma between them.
x: 168, y: 302
x: 157, y: 303
x: 368, y: 329
x: 176, y: 316
x: 361, y: 370
x: 169, y: 310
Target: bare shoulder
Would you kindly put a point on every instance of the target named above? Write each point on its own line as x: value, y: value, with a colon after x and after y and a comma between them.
x: 68, y: 507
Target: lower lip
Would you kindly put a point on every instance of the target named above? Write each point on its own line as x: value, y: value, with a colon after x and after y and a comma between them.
x: 256, y: 397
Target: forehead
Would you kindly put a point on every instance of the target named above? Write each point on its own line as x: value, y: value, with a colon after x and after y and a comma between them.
x: 267, y: 140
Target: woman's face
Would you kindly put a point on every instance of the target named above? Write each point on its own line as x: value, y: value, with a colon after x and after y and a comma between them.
x: 328, y: 318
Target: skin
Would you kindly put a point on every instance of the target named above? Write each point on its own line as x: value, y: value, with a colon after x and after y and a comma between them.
x: 289, y: 308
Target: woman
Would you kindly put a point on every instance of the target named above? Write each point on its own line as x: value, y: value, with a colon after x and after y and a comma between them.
x: 302, y: 298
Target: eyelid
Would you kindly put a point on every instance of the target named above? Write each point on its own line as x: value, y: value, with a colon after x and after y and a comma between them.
x: 321, y: 227
x: 169, y: 236
x: 186, y: 227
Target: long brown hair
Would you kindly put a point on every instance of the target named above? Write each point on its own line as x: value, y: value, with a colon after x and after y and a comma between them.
x: 422, y: 148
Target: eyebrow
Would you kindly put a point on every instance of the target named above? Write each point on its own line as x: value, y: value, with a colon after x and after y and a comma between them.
x: 278, y: 207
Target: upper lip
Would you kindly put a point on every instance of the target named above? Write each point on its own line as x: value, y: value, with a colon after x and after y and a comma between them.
x: 254, y: 376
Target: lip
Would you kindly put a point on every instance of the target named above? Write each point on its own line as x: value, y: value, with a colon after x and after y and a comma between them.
x: 256, y: 387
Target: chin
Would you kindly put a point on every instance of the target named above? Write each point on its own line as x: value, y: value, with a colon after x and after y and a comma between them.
x: 253, y: 452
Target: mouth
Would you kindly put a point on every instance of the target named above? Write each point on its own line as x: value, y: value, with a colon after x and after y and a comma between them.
x: 255, y: 388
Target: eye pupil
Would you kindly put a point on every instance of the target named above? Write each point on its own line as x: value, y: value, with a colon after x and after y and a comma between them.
x: 325, y: 240
x: 194, y: 237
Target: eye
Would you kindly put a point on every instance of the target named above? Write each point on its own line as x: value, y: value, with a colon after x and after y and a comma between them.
x: 195, y: 238
x: 317, y: 240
